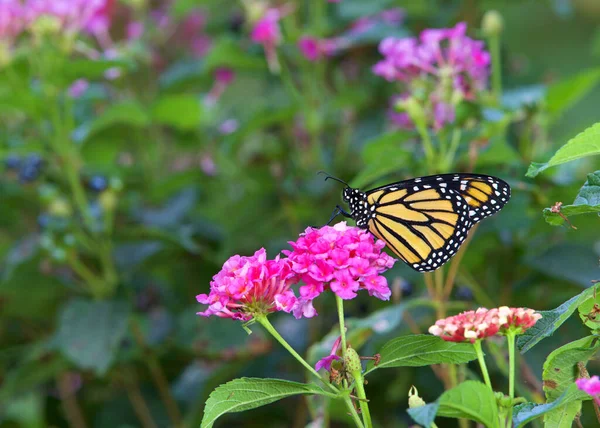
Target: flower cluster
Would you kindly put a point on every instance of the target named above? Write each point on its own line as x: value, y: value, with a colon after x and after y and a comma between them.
x: 314, y: 49
x: 11, y: 20
x: 470, y: 326
x: 341, y: 258
x: 392, y: 17
x: 266, y: 32
x: 516, y: 319
x: 344, y: 259
x: 91, y: 16
x: 247, y: 286
x: 441, y: 68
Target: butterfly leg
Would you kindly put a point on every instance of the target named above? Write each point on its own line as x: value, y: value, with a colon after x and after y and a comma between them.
x: 337, y: 211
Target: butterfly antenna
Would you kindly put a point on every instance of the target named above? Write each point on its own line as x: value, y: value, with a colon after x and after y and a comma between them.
x: 328, y: 176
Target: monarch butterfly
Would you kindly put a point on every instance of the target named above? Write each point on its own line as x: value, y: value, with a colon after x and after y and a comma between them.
x: 425, y: 220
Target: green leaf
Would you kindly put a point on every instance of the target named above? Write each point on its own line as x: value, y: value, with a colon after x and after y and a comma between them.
x: 90, y: 332
x: 26, y: 410
x: 423, y: 350
x: 524, y: 413
x: 564, y: 94
x: 129, y: 113
x: 92, y: 69
x: 249, y: 393
x: 587, y: 313
x: 571, y: 262
x: 228, y: 53
x: 180, y: 111
x: 498, y: 153
x: 551, y: 321
x: 586, y: 202
x: 383, y: 155
x: 470, y: 400
x: 31, y: 374
x: 563, y: 416
x: 584, y: 144
x: 560, y: 368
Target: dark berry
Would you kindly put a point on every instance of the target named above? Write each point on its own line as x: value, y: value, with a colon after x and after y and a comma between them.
x: 28, y: 173
x: 12, y: 162
x: 406, y: 288
x: 463, y: 293
x: 44, y: 221
x: 236, y: 22
x: 98, y: 183
x: 34, y: 160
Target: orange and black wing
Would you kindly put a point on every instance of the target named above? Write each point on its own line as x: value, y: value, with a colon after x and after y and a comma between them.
x: 425, y: 220
x: 423, y: 226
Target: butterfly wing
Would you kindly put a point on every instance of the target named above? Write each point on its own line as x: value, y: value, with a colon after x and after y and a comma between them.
x: 425, y: 220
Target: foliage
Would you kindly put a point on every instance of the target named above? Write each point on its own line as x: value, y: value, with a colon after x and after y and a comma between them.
x: 137, y: 158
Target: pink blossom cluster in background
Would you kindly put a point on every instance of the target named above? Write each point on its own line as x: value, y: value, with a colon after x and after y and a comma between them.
x: 314, y: 49
x: 454, y: 65
x: 340, y: 258
x: 11, y: 20
x: 391, y: 17
x: 470, y: 326
x: 90, y: 16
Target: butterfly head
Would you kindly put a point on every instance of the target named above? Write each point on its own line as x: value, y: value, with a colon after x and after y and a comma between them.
x: 360, y: 209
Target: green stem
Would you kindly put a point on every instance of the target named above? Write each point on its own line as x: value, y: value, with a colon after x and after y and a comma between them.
x: 364, y: 404
x: 510, y: 337
x: 427, y: 144
x: 262, y: 320
x: 484, y: 371
x: 340, y: 309
x: 449, y: 157
x: 494, y: 42
x: 358, y: 377
x: 353, y: 412
x: 287, y: 79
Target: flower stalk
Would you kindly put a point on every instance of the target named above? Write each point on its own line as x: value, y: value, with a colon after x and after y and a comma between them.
x: 482, y: 365
x: 510, y: 337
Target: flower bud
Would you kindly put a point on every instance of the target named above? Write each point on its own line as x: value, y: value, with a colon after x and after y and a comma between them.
x: 60, y: 207
x: 492, y: 23
x: 108, y: 200
x: 352, y: 362
x: 414, y: 110
x: 413, y: 398
x: 116, y: 184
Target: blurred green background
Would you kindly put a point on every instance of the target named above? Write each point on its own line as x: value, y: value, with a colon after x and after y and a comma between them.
x: 196, y: 172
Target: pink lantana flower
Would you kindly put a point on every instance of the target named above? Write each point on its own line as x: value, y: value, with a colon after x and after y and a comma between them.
x: 314, y: 49
x: 266, y: 32
x: 12, y: 18
x: 134, y: 30
x: 325, y: 362
x: 78, y: 88
x: 341, y: 258
x: 250, y: 286
x: 223, y: 78
x: 467, y: 326
x: 74, y: 16
x: 517, y: 320
x: 454, y: 67
x: 591, y: 386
